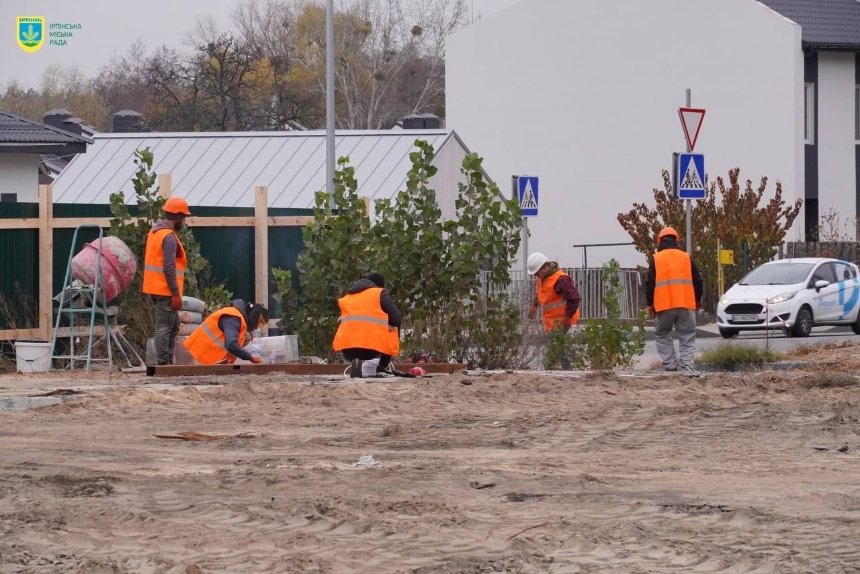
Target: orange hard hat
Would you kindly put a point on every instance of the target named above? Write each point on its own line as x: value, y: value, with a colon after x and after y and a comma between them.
x: 176, y: 205
x: 667, y: 232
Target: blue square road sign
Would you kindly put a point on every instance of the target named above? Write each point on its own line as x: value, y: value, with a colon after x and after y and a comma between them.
x: 691, y: 176
x: 527, y: 194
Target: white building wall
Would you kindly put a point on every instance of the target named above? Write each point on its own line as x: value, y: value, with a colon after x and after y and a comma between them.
x: 446, y: 180
x: 585, y: 95
x: 836, y: 170
x: 19, y: 173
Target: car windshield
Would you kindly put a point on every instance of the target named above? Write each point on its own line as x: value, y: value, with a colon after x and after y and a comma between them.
x: 778, y: 274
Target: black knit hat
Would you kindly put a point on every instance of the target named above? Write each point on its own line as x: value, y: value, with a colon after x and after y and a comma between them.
x: 377, y: 279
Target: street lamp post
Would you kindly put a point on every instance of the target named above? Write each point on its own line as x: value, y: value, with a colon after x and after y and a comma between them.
x: 329, y: 104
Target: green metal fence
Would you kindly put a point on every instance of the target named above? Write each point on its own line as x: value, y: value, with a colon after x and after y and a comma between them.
x: 229, y: 250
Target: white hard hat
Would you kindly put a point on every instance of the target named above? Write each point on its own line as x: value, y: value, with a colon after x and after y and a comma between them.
x: 536, y: 261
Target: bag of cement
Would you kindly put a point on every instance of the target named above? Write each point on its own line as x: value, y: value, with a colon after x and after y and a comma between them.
x: 192, y: 304
x: 186, y: 329
x: 190, y: 317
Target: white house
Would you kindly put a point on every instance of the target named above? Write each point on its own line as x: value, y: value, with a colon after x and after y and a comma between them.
x: 22, y: 142
x: 218, y: 169
x: 585, y: 94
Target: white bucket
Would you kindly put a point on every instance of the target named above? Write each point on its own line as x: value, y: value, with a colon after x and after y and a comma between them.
x: 33, y: 356
x: 368, y: 368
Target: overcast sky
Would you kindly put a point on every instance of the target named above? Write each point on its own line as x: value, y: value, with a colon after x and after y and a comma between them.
x: 110, y: 26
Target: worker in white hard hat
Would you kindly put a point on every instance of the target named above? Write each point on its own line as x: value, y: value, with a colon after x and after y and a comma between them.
x: 555, y: 293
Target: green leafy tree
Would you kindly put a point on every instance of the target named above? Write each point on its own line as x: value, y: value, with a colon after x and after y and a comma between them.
x: 433, y: 267
x: 336, y: 254
x: 409, y: 242
x: 729, y: 214
x: 483, y: 240
x: 287, y: 298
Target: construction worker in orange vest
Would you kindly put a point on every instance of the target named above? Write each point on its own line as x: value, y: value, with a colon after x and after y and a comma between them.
x: 673, y: 292
x: 369, y: 326
x: 220, y: 337
x: 555, y: 293
x: 164, y: 268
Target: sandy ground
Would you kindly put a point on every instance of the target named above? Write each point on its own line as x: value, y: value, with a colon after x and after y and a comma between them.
x: 472, y: 473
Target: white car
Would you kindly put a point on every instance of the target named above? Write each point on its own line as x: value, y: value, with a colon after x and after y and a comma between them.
x: 793, y: 295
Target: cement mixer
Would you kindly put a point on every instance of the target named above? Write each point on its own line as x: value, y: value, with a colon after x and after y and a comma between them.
x: 118, y: 265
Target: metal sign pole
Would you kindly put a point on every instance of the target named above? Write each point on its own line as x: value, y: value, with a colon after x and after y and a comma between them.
x: 515, y: 193
x: 688, y: 201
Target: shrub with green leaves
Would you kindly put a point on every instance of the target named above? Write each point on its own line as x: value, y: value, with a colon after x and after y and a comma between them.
x: 432, y: 266
x: 603, y: 343
x: 732, y: 356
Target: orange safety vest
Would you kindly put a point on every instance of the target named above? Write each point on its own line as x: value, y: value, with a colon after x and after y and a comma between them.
x: 364, y: 325
x: 206, y: 343
x: 154, y: 281
x: 673, y: 285
x: 552, y: 304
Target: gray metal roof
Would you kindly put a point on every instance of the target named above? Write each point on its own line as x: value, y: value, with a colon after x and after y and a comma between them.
x: 825, y: 24
x: 221, y: 169
x: 17, y: 130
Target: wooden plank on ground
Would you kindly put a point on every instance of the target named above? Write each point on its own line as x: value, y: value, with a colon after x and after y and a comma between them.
x: 286, y: 368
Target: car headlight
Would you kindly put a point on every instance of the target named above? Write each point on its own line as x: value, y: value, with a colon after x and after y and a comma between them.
x: 782, y: 297
x: 724, y: 301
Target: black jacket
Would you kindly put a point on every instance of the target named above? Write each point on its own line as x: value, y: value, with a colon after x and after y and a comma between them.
x: 385, y: 300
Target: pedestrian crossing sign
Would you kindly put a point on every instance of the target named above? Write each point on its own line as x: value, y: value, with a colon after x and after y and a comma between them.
x: 527, y: 194
x: 691, y: 176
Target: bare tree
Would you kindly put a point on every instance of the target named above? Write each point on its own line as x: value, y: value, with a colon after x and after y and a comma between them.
x: 378, y: 52
x: 60, y: 88
x: 122, y: 82
x: 269, y: 26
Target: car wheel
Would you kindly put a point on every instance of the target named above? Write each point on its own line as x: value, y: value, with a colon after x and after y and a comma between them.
x: 802, y: 323
x: 855, y: 326
x: 728, y: 333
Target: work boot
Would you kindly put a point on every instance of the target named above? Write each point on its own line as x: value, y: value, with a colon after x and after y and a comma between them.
x: 355, y: 369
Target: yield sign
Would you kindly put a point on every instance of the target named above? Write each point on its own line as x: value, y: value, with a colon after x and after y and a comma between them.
x: 691, y: 121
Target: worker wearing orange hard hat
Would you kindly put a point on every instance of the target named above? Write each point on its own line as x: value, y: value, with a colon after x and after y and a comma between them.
x: 673, y: 292
x: 164, y: 266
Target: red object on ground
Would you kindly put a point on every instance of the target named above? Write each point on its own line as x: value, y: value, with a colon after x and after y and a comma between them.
x: 417, y: 371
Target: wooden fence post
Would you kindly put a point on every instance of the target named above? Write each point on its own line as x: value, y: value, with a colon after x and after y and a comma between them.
x: 261, y: 245
x: 165, y: 184
x: 46, y: 260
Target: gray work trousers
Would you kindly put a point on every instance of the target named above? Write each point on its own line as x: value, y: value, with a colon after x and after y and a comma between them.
x: 166, y: 329
x: 684, y: 323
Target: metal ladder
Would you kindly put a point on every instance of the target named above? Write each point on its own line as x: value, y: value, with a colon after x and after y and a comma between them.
x: 85, y: 316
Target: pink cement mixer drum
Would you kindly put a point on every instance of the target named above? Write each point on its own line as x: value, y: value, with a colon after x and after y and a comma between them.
x: 118, y: 265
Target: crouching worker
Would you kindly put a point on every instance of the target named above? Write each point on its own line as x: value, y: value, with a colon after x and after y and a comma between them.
x: 220, y: 338
x: 369, y: 325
